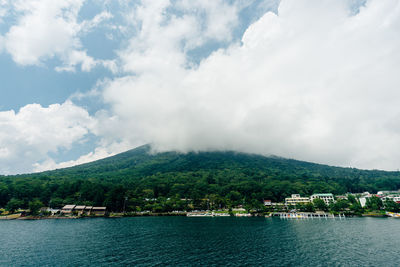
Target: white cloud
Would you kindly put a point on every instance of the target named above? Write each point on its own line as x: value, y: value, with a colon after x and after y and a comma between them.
x: 88, y: 25
x: 218, y: 18
x: 4, y: 7
x: 99, y: 153
x: 78, y: 57
x: 1, y: 43
x: 28, y: 136
x: 164, y: 37
x: 313, y: 82
x: 47, y: 29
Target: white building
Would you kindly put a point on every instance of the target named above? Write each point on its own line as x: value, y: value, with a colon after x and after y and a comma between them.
x: 327, y: 198
x: 395, y: 198
x: 385, y: 193
x: 296, y: 198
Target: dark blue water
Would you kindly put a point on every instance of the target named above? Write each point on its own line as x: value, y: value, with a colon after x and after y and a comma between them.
x: 181, y: 241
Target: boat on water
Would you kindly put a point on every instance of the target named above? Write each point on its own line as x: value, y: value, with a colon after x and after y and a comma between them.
x: 199, y: 214
x: 243, y: 215
x: 221, y: 214
x: 393, y: 215
x: 207, y: 214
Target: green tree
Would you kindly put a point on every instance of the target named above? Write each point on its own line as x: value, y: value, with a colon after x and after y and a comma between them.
x: 148, y: 193
x: 56, y: 203
x: 374, y: 203
x: 235, y: 198
x: 319, y: 204
x: 351, y: 199
x: 309, y: 207
x: 356, y: 208
x: 339, y: 205
x: 392, y: 206
x: 14, y: 204
x: 35, y: 205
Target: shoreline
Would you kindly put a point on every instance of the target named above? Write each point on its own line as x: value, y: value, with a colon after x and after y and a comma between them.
x: 119, y: 215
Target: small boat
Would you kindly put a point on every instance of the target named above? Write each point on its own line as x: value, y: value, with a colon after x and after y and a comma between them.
x: 393, y: 215
x: 243, y: 215
x: 199, y: 214
x: 222, y: 214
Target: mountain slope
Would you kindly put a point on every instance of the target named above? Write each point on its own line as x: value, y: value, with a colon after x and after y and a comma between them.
x: 139, y: 174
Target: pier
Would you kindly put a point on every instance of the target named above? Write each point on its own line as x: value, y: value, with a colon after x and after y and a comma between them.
x: 307, y: 215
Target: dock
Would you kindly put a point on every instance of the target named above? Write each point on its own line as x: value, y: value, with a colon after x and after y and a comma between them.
x: 307, y: 215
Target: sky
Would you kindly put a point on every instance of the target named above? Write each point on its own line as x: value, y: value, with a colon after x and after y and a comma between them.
x: 313, y: 80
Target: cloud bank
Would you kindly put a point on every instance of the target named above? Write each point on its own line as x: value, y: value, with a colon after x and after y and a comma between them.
x: 316, y: 80
x: 30, y: 134
x: 47, y: 29
x: 313, y: 82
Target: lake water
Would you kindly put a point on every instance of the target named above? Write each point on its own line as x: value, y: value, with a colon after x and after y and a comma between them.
x: 182, y: 241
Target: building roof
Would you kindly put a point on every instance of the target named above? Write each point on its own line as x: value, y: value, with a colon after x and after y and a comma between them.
x: 99, y: 208
x: 324, y: 195
x: 79, y: 207
x: 88, y: 207
x: 68, y: 207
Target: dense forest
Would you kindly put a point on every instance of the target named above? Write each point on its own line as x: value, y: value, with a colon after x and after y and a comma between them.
x: 139, y: 180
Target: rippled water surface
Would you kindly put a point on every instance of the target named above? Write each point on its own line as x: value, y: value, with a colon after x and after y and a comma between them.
x: 181, y: 241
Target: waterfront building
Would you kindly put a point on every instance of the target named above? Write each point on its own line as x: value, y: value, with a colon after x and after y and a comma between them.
x: 295, y: 199
x: 98, y: 211
x: 79, y: 210
x: 67, y: 209
x: 327, y: 197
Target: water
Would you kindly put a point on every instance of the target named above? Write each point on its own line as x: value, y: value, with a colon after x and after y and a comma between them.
x: 181, y: 241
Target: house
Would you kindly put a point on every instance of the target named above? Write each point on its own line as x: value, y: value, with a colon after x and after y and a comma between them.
x: 80, y: 209
x: 267, y: 202
x: 98, y: 211
x: 327, y: 197
x: 296, y: 199
x: 67, y: 209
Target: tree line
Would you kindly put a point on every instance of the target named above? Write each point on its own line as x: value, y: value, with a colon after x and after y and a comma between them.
x: 139, y: 180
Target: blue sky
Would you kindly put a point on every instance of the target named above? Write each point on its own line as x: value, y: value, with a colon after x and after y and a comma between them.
x: 311, y: 80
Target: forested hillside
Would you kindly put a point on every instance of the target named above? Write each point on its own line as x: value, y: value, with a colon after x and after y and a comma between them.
x: 165, y: 179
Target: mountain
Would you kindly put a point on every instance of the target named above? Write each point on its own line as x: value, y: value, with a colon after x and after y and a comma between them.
x: 231, y: 175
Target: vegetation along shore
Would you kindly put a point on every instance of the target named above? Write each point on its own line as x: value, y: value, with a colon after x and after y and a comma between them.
x: 138, y: 182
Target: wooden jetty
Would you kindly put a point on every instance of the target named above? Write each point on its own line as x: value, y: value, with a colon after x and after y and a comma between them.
x: 307, y: 215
